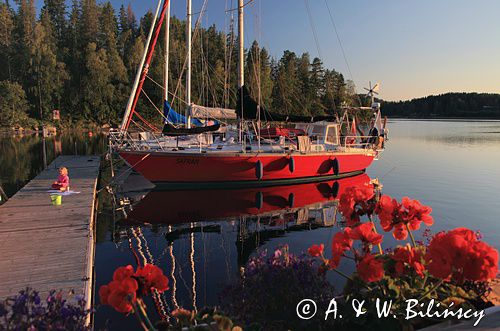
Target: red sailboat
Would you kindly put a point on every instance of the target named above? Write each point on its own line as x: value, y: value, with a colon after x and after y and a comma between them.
x: 196, y: 154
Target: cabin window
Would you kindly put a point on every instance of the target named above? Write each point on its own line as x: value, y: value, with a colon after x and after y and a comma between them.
x: 332, y: 136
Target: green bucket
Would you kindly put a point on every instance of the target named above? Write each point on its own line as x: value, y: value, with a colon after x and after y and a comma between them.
x: 56, y: 199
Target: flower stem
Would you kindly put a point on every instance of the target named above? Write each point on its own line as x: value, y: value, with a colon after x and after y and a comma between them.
x: 349, y: 278
x: 431, y: 289
x: 139, y: 318
x: 343, y: 274
x: 145, y: 315
x: 425, y: 280
x: 411, y: 236
x: 375, y: 230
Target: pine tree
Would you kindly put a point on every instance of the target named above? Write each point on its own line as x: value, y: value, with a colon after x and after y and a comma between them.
x: 24, y: 35
x: 286, y: 92
x: 317, y: 89
x: 6, y: 41
x: 258, y: 75
x: 49, y: 74
x: 266, y: 82
x: 57, y: 11
x: 98, y: 90
x: 89, y: 22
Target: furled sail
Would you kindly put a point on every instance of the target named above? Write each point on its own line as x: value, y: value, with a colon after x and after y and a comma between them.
x: 170, y: 130
x: 213, y: 112
x: 173, y: 118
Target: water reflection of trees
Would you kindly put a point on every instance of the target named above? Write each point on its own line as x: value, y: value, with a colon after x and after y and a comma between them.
x: 22, y: 157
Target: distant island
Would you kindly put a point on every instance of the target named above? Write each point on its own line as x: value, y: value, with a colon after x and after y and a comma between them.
x: 449, y: 105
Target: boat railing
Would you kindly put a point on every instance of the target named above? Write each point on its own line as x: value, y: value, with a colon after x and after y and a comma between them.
x: 120, y: 140
x: 364, y: 142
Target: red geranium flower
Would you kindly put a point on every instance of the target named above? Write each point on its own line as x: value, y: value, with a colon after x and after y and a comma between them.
x: 459, y: 256
x: 365, y: 233
x: 385, y: 209
x: 408, y: 256
x: 123, y: 273
x: 316, y: 250
x: 341, y: 242
x: 119, y: 294
x: 395, y: 215
x: 370, y: 269
x: 152, y: 278
x: 355, y: 201
x: 417, y: 213
x: 482, y: 264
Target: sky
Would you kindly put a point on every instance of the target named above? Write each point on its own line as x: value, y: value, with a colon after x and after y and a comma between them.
x: 413, y: 48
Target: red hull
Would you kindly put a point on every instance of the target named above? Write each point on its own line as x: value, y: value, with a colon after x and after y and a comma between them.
x: 160, y: 167
x: 190, y: 206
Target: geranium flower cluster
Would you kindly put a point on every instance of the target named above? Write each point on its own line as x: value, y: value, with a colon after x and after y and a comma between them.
x: 457, y: 255
x: 408, y: 259
x: 399, y: 217
x: 370, y: 269
x: 127, y: 285
x: 356, y: 202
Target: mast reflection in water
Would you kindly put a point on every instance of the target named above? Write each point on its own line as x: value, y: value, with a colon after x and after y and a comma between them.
x: 201, y: 238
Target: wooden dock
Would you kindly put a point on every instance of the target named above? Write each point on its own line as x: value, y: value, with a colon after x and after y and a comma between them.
x: 47, y: 247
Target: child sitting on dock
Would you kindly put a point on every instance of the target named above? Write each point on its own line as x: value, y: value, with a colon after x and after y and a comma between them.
x: 62, y: 183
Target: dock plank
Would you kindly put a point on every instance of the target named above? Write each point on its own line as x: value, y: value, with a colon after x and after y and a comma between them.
x: 50, y: 247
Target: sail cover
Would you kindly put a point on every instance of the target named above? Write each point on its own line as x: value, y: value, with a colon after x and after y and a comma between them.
x: 213, y: 112
x: 170, y: 130
x: 173, y: 117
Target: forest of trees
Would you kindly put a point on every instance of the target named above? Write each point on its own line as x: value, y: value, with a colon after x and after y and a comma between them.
x: 462, y: 105
x: 82, y: 59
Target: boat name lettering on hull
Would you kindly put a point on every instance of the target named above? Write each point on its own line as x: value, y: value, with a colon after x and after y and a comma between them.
x: 188, y: 161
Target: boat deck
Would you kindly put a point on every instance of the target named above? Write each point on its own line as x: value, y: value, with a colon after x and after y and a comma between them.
x: 50, y: 247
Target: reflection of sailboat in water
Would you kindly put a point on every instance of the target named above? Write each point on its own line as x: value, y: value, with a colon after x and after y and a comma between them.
x: 265, y: 211
x: 207, y: 205
x: 196, y: 225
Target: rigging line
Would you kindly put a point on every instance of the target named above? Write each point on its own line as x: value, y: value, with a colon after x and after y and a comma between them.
x: 341, y: 47
x: 151, y: 126
x: 228, y: 59
x: 139, y: 126
x: 161, y: 86
x: 152, y: 103
x: 313, y: 27
x: 195, y: 34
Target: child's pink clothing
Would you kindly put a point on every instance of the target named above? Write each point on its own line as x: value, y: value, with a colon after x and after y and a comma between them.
x: 62, y: 182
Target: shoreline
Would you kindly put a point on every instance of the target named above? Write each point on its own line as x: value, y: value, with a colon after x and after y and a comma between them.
x: 445, y: 119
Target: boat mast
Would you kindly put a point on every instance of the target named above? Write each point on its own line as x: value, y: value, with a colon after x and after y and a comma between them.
x: 167, y: 48
x: 241, y: 58
x: 139, y: 72
x: 188, y: 71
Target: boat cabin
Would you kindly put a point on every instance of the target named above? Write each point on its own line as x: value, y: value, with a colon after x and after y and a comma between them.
x: 326, y: 133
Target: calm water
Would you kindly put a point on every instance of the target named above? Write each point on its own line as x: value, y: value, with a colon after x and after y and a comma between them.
x: 200, y: 239
x: 23, y: 157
